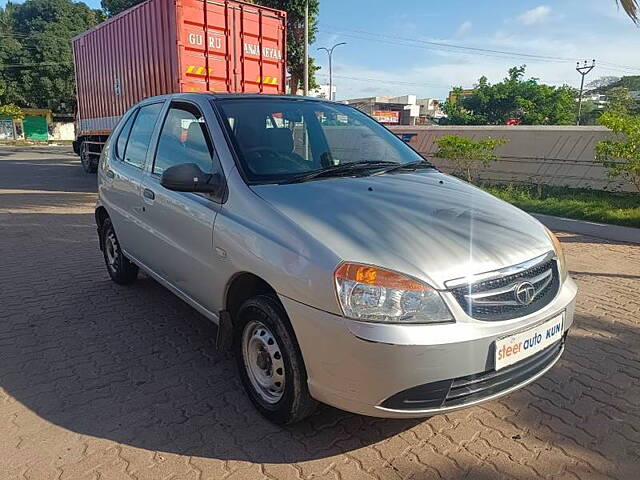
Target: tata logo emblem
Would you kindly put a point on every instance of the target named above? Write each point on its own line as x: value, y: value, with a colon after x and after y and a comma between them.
x: 524, y: 293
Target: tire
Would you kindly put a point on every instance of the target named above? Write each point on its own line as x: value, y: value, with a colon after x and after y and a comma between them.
x: 259, y: 321
x: 89, y: 165
x: 120, y: 269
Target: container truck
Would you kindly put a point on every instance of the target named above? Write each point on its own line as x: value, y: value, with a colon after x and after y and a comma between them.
x: 172, y: 46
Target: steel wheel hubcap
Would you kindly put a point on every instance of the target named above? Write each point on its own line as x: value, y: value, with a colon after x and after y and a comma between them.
x: 111, y: 249
x: 263, y: 361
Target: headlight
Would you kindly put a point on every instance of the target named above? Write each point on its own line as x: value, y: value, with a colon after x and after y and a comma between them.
x: 557, y: 246
x: 378, y: 295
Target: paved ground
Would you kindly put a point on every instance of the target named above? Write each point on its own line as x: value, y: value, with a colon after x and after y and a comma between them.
x: 103, y: 382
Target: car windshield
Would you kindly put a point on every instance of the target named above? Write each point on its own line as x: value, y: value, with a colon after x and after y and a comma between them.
x: 280, y: 140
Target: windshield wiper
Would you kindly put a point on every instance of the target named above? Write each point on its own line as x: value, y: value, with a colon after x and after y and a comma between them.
x: 339, y: 169
x: 405, y: 166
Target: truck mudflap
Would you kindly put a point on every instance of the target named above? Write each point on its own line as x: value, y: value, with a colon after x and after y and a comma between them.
x: 76, y: 147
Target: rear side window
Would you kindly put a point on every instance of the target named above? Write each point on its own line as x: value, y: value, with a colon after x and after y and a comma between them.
x: 184, y: 139
x: 121, y: 144
x: 140, y: 135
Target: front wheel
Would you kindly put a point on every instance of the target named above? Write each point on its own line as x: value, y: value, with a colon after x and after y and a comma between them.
x: 121, y: 270
x: 269, y: 361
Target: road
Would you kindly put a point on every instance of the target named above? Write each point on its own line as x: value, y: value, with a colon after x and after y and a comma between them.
x: 105, y: 382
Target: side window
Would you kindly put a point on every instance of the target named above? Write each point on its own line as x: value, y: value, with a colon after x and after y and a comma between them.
x: 140, y: 135
x: 184, y: 139
x: 121, y: 144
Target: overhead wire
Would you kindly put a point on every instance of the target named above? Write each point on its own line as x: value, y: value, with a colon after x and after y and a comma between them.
x: 463, y: 49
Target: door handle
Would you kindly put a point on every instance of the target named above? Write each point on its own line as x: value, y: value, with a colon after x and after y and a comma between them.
x: 148, y: 194
x: 110, y: 173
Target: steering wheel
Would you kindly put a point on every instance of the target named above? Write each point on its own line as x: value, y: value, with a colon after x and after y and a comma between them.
x: 266, y: 152
x: 269, y: 151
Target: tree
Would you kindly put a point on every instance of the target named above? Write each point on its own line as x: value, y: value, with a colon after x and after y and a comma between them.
x: 528, y: 101
x: 620, y: 101
x: 295, y: 37
x: 591, y: 112
x: 621, y: 157
x: 467, y: 155
x: 631, y: 8
x: 295, y: 32
x: 39, y: 62
x: 601, y: 83
x: 113, y: 7
x: 11, y: 111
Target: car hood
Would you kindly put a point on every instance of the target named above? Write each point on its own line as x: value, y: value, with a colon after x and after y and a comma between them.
x: 425, y: 224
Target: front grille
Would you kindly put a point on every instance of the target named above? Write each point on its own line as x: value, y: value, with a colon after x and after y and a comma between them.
x: 475, y: 387
x: 472, y: 388
x: 496, y: 299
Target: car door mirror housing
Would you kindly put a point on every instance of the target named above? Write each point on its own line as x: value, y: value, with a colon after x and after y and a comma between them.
x: 188, y: 177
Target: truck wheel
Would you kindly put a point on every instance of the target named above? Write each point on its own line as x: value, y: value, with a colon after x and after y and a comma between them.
x: 270, y: 363
x: 89, y: 164
x: 120, y: 269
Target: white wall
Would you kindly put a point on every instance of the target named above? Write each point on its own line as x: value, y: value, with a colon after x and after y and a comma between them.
x: 62, y: 131
x: 552, y: 155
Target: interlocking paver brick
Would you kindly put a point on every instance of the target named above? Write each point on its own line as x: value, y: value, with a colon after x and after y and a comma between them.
x: 103, y: 382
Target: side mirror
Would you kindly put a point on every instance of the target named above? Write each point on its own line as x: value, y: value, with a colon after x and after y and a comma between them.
x: 188, y: 177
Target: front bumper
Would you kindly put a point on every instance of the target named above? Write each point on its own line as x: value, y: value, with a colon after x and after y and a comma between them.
x: 357, y: 366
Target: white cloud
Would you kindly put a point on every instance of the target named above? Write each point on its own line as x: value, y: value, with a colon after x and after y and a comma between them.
x: 535, y: 15
x: 463, y: 28
x: 432, y: 73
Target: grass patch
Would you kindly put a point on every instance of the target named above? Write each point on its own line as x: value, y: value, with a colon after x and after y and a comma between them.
x: 583, y: 204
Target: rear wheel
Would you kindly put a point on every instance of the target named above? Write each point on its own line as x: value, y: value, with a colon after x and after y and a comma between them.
x: 89, y: 162
x: 121, y: 270
x: 269, y: 361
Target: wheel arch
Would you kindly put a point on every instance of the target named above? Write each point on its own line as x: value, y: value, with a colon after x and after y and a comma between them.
x: 241, y: 287
x: 101, y: 215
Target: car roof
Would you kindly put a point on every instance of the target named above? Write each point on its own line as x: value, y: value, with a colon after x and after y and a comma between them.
x: 245, y: 96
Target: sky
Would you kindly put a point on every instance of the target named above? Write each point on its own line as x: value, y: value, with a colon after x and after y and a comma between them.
x: 387, y: 50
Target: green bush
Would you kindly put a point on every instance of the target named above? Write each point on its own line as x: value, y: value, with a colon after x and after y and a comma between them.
x: 621, y: 157
x: 11, y: 111
x: 467, y: 156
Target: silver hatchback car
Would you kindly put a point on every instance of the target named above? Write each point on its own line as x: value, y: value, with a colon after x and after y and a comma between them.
x: 339, y: 265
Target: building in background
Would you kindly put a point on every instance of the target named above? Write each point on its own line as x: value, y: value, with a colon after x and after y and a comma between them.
x: 35, y: 124
x: 402, y: 110
x: 430, y: 111
x: 321, y: 92
x: 599, y: 100
x: 38, y: 125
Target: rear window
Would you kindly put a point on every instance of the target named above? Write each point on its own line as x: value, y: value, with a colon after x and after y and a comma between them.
x: 140, y: 135
x: 123, y: 137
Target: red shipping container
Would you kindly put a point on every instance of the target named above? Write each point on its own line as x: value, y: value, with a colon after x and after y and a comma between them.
x: 170, y: 46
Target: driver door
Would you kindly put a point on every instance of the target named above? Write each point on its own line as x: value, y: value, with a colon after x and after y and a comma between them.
x: 179, y: 225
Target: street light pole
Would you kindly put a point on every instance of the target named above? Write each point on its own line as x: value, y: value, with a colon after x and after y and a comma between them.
x: 330, y: 53
x: 583, y: 71
x: 305, y: 89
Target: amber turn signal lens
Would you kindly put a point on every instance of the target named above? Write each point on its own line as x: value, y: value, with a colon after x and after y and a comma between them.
x: 376, y: 276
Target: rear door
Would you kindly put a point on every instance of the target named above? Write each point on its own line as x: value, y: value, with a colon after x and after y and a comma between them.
x: 122, y: 182
x: 178, y: 225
